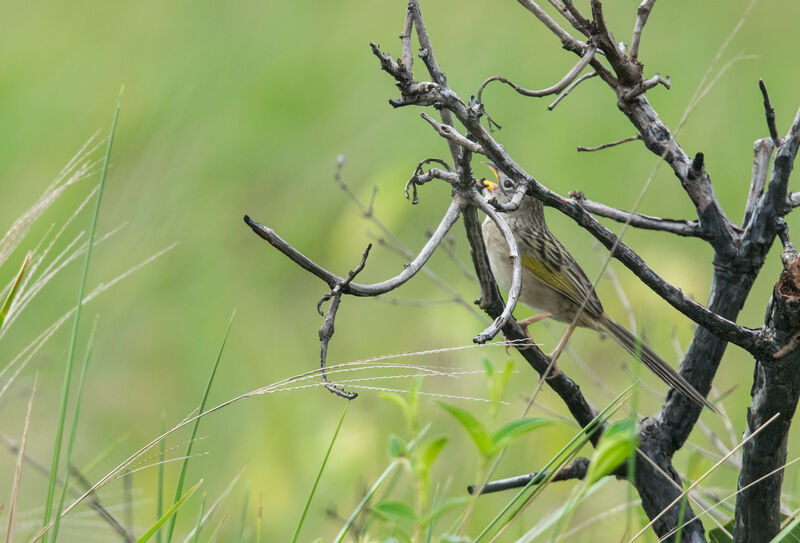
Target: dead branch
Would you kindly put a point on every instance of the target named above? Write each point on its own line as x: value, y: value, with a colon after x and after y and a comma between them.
x: 641, y: 19
x: 569, y: 89
x: 581, y: 148
x: 327, y: 328
x: 358, y: 289
x: 647, y: 222
x: 555, y: 89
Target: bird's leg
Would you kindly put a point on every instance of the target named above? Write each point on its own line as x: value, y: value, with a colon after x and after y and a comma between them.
x: 524, y: 323
x: 530, y: 320
x: 557, y: 351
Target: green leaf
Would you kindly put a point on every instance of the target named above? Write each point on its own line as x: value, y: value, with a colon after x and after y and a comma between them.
x: 618, y: 442
x: 488, y: 366
x: 429, y: 453
x: 171, y: 511
x: 479, y: 435
x: 517, y: 428
x: 14, y: 288
x: 397, y: 447
x: 396, y: 399
x: 396, y: 509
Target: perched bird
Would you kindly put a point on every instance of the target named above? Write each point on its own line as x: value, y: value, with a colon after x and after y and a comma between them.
x: 552, y: 282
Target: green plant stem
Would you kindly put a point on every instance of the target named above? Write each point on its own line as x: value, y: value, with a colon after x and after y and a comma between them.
x: 185, y: 463
x: 243, y: 519
x: 161, y: 454
x: 74, y: 431
x: 62, y: 412
x: 196, y: 537
x: 319, y: 475
x: 170, y: 512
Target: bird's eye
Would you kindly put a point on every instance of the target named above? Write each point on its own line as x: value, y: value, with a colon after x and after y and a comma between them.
x: 508, y: 184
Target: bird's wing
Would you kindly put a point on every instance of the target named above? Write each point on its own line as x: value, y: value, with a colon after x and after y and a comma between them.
x: 556, y: 267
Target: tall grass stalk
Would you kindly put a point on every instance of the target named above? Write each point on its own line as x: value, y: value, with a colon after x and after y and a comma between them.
x: 243, y: 518
x: 20, y: 458
x: 185, y: 465
x: 74, y: 430
x: 319, y: 475
x: 170, y: 512
x: 62, y: 412
x: 160, y: 491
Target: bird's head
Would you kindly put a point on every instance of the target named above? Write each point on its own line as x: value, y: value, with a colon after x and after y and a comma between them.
x: 502, y: 188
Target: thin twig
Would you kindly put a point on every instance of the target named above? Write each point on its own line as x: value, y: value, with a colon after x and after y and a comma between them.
x: 516, y: 275
x: 641, y: 19
x: 569, y: 43
x: 569, y: 89
x: 327, y: 328
x: 555, y: 89
x: 357, y: 289
x: 581, y: 148
x: 770, y: 114
x: 675, y: 226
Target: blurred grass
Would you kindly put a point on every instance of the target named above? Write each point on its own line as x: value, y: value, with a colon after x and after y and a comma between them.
x: 234, y: 108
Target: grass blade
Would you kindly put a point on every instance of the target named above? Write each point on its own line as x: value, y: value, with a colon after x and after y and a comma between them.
x: 13, y: 292
x: 185, y: 466
x: 170, y: 512
x: 18, y: 474
x: 243, y: 518
x: 160, y: 491
x: 218, y: 530
x: 260, y: 519
x: 199, y: 519
x: 214, y: 506
x: 62, y: 412
x: 74, y: 430
x: 319, y: 475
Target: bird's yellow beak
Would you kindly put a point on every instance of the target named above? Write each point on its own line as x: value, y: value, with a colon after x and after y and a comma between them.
x: 488, y: 185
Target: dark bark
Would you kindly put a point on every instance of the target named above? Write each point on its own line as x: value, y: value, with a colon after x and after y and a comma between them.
x: 775, y: 391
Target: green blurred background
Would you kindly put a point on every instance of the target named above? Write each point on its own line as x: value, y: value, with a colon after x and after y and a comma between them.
x: 243, y: 107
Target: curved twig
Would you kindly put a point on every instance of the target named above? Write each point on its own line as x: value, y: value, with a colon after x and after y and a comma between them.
x: 555, y: 89
x: 421, y: 177
x: 516, y: 276
x: 358, y: 289
x: 514, y: 203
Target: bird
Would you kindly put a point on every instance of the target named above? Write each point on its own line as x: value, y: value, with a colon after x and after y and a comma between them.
x: 554, y: 283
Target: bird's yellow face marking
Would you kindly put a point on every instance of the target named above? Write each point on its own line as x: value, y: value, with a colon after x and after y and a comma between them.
x: 489, y: 185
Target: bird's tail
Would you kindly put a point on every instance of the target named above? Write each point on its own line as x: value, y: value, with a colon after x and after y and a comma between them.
x: 654, y: 362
